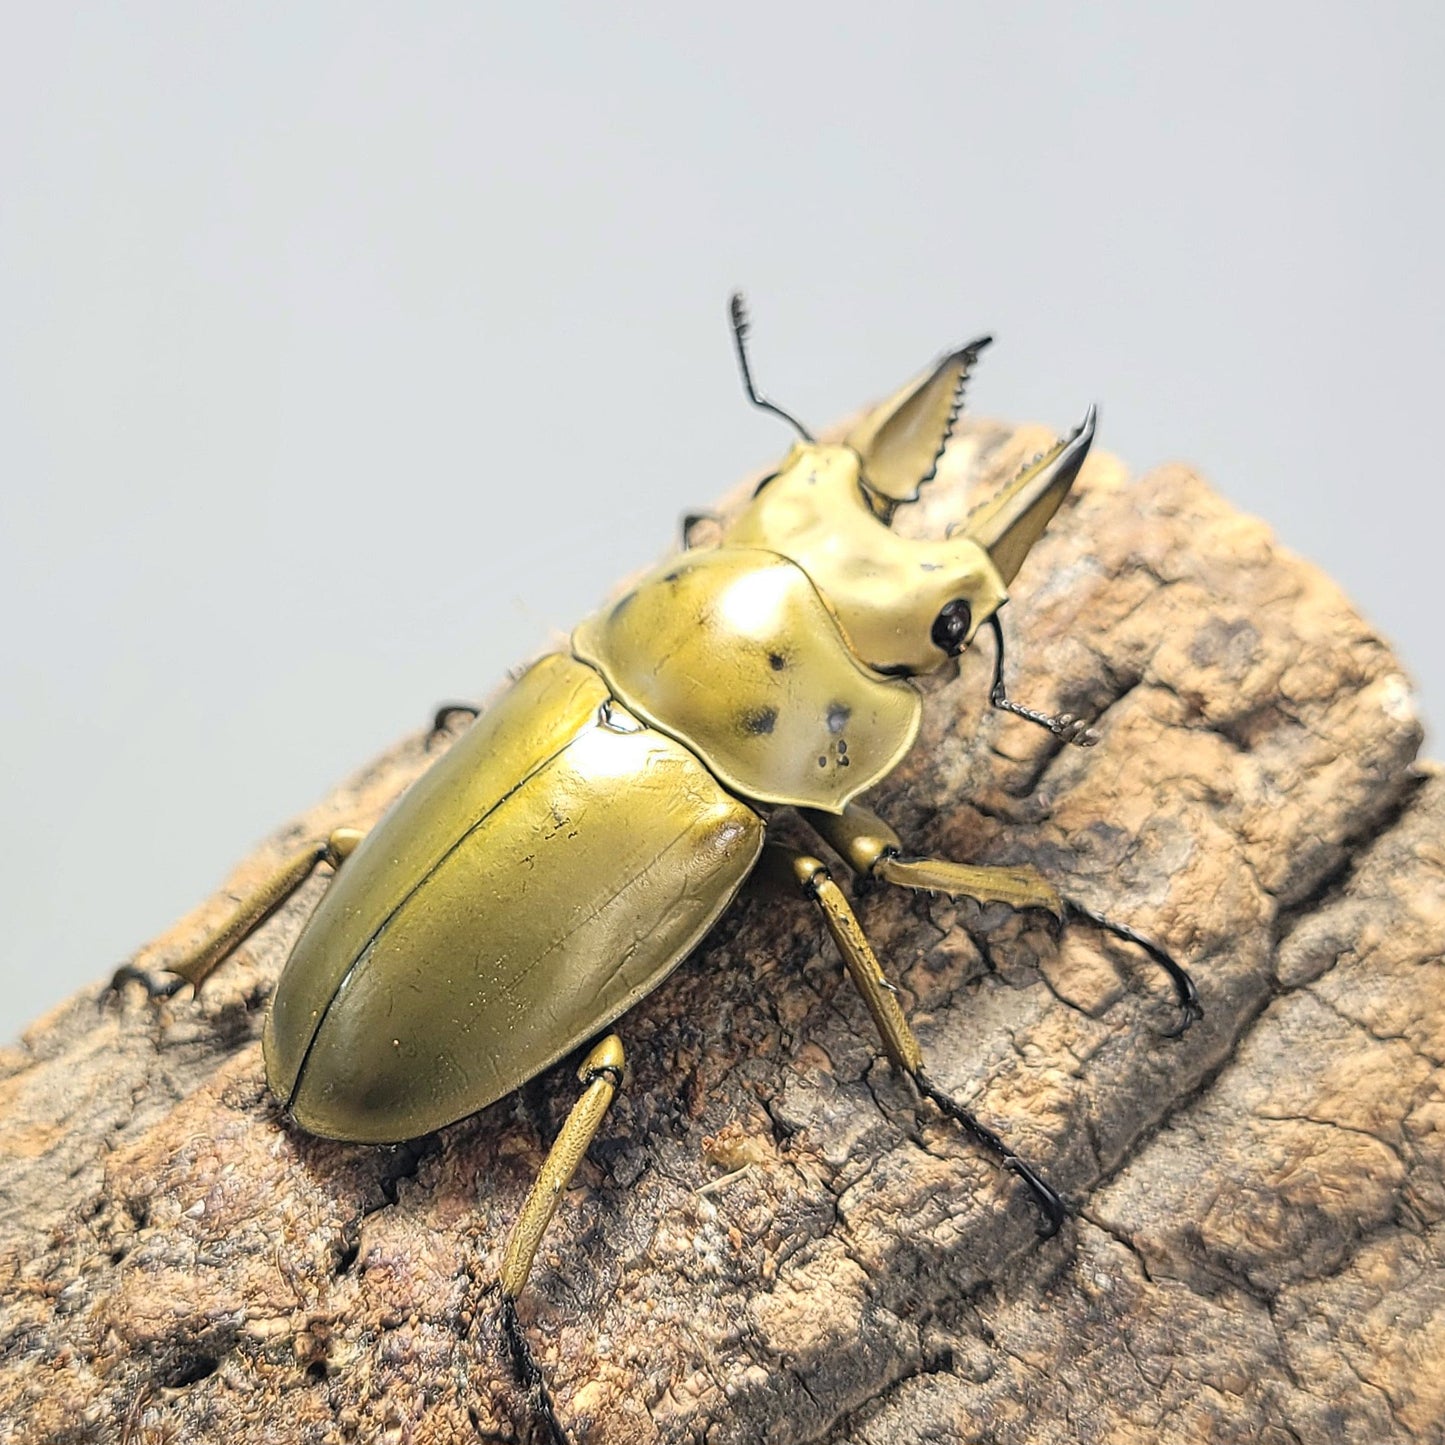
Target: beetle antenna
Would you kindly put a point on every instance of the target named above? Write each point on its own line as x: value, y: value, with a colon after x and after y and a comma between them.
x: 1066, y: 726
x: 737, y: 309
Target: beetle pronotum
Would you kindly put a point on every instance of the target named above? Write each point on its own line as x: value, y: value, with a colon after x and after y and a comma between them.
x: 468, y: 943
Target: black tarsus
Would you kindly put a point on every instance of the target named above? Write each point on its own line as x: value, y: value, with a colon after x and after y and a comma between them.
x: 1051, y: 1206
x: 1190, y: 1009
x: 1066, y: 726
x: 529, y: 1372
x: 737, y: 309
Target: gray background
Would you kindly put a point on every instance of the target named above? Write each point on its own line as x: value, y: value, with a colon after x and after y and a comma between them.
x: 345, y: 350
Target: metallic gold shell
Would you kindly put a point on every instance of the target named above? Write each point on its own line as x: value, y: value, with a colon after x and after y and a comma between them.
x: 546, y: 874
x: 733, y: 652
x: 885, y: 588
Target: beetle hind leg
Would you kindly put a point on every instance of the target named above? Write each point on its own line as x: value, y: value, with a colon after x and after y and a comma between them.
x: 601, y: 1073
x: 872, y: 848
x: 202, y: 959
x: 899, y: 1041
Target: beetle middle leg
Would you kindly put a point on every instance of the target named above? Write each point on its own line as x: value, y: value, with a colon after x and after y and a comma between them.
x: 872, y: 848
x: 202, y: 959
x: 899, y: 1041
x: 601, y: 1072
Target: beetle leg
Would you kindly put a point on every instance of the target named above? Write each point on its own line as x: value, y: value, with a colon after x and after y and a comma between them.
x: 899, y: 1041
x: 601, y: 1072
x: 197, y: 964
x: 442, y: 718
x: 701, y: 529
x: 871, y: 847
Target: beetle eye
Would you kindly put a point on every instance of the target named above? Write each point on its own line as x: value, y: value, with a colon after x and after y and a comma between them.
x: 950, y: 628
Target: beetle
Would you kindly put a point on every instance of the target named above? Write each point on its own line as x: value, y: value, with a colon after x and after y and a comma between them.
x: 584, y: 834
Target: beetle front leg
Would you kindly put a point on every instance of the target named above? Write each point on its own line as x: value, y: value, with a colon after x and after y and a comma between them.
x: 601, y: 1072
x: 197, y: 964
x: 872, y: 848
x: 899, y: 1041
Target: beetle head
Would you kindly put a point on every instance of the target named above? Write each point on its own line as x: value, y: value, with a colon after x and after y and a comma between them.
x: 905, y: 605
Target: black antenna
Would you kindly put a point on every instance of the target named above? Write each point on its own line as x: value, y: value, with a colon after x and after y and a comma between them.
x: 737, y: 308
x: 1066, y: 726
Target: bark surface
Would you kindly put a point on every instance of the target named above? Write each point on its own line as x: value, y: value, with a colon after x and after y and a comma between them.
x: 772, y: 1240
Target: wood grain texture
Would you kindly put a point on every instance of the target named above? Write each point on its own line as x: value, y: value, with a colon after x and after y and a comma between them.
x: 771, y: 1240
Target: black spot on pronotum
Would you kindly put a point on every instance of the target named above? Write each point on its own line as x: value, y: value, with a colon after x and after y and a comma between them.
x: 777, y: 661
x: 761, y: 721
x: 838, y: 715
x: 823, y: 761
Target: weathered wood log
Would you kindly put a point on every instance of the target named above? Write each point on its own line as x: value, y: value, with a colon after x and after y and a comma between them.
x: 772, y: 1240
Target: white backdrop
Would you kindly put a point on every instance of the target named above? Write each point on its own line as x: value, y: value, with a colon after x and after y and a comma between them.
x: 346, y: 349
